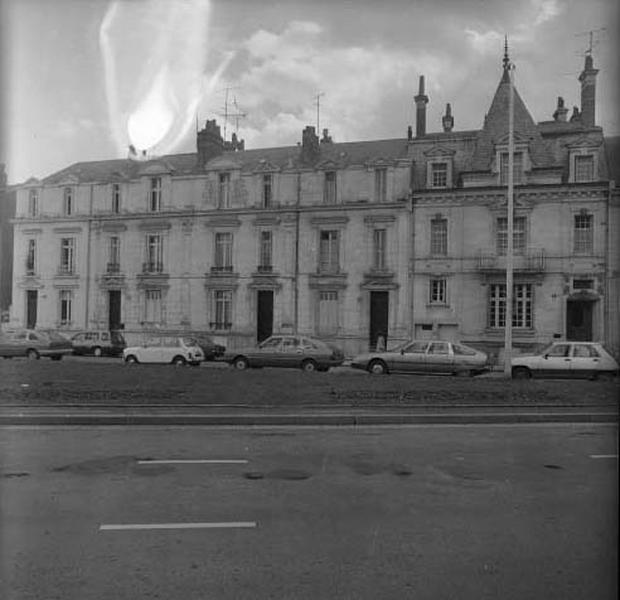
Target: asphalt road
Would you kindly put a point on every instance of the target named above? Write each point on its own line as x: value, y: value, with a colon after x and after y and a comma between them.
x: 440, y: 512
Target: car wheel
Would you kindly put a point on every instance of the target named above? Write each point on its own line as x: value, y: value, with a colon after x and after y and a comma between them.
x: 131, y: 359
x: 179, y: 361
x: 308, y: 365
x: 377, y: 367
x: 521, y: 373
x: 96, y: 351
x: 240, y: 363
x: 32, y: 354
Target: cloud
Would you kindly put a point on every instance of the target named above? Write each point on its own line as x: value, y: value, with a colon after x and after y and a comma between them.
x: 546, y: 10
x: 486, y: 42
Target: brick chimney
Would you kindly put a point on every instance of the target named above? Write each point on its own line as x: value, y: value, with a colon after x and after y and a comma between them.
x: 561, y: 111
x: 588, y: 89
x: 447, y: 121
x: 209, y: 142
x: 309, y: 145
x: 421, y: 100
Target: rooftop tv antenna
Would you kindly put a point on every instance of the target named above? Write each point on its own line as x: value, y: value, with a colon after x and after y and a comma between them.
x: 593, y: 40
x: 226, y: 114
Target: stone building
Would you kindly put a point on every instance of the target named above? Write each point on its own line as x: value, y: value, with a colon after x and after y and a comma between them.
x: 346, y: 241
x: 7, y: 212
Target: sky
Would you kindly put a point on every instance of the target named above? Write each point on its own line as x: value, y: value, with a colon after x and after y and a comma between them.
x: 81, y: 80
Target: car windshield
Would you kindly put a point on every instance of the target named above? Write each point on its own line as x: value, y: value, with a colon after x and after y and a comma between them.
x: 189, y: 341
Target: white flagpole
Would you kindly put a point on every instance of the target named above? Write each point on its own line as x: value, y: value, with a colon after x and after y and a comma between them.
x: 510, y: 219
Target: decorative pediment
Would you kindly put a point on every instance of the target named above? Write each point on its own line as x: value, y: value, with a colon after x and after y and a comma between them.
x: 265, y: 166
x: 584, y: 142
x: 155, y: 167
x: 68, y: 179
x: 439, y: 152
x: 32, y: 182
x: 327, y: 165
x: 519, y: 139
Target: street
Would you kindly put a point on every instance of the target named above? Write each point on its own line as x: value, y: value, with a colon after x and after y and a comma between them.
x: 424, y: 512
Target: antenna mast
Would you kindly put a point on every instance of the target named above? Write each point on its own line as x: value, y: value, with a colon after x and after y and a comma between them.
x: 226, y: 114
x: 318, y: 104
x: 591, y: 38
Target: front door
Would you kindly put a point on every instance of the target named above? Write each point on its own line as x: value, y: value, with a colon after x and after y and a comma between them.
x: 264, y: 314
x: 31, y: 308
x: 379, y: 312
x: 114, y: 310
x: 579, y: 320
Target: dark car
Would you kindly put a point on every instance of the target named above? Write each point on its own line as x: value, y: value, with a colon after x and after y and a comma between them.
x: 302, y: 352
x: 98, y: 343
x: 211, y: 349
x: 34, y: 343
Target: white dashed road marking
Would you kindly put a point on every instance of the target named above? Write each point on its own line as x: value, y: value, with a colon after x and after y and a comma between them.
x: 197, y: 461
x: 139, y: 526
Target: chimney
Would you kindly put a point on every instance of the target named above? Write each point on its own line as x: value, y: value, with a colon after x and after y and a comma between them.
x: 209, y: 142
x: 588, y: 89
x: 409, y: 133
x: 421, y: 100
x: 561, y: 111
x: 447, y: 120
x: 309, y: 145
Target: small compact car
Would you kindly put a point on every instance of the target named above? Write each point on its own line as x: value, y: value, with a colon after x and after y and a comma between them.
x: 309, y: 354
x: 427, y: 357
x: 589, y: 360
x: 168, y: 350
x: 34, y: 343
x: 98, y: 343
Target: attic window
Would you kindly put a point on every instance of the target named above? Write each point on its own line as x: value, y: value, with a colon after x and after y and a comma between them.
x: 584, y: 168
x: 68, y: 201
x: 329, y: 192
x: 517, y: 168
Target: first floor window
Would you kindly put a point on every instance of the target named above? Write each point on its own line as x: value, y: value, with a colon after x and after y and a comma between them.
x: 33, y: 203
x: 223, y: 251
x: 583, y: 231
x: 223, y: 309
x: 31, y: 257
x: 329, y: 261
x: 66, y: 298
x: 154, y: 253
x: 328, y: 312
x: 265, y: 251
x: 518, y: 235
x: 67, y: 255
x: 155, y: 195
x: 152, y: 306
x: 379, y: 248
x: 521, y: 305
x: 437, y: 291
x: 380, y: 185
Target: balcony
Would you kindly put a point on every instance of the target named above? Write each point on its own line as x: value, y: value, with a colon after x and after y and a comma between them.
x: 532, y: 260
x: 220, y: 326
x: 152, y: 268
x: 265, y: 269
x: 113, y: 268
x: 222, y: 269
x: 66, y: 271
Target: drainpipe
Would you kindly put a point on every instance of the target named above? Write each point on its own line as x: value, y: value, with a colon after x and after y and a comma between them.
x: 412, y: 258
x: 88, y: 243
x: 296, y: 282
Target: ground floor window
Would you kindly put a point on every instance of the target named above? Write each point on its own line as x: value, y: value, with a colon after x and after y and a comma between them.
x: 521, y: 305
x: 222, y: 309
x: 65, y: 303
x: 437, y: 291
x: 153, y: 307
x: 328, y: 312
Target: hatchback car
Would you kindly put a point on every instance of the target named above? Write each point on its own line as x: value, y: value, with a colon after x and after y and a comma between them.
x: 34, y: 343
x: 302, y: 352
x: 168, y: 350
x: 566, y: 359
x: 98, y: 343
x: 425, y: 356
x: 211, y: 349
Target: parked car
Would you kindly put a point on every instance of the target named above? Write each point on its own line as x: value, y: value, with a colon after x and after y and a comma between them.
x: 98, y: 343
x: 566, y: 359
x: 211, y: 349
x: 34, y: 343
x: 425, y: 356
x: 175, y: 350
x: 303, y: 352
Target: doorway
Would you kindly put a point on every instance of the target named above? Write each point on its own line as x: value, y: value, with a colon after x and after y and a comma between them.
x: 114, y: 310
x: 579, y: 320
x: 264, y: 314
x: 379, y: 312
x: 31, y: 308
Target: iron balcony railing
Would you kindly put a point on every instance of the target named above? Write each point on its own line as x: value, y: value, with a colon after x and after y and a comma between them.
x: 532, y: 260
x: 153, y: 267
x: 222, y: 269
x: 265, y: 268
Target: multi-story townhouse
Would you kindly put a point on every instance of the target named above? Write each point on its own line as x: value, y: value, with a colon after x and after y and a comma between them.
x: 347, y: 241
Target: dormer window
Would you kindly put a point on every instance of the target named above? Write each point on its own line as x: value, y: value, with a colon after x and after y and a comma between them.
x: 439, y: 165
x: 223, y: 193
x: 68, y: 201
x: 584, y: 168
x: 439, y: 174
x: 33, y: 203
x: 582, y: 161
x: 517, y: 168
x: 155, y: 195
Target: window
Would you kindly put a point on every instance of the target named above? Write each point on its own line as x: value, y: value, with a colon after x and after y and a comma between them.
x: 154, y: 253
x: 439, y: 174
x: 462, y: 350
x: 518, y: 235
x: 583, y: 233
x: 67, y: 256
x: 521, y: 305
x: 328, y: 312
x: 223, y: 309
x: 583, y: 284
x: 223, y: 196
x: 585, y: 351
x: 380, y: 185
x: 438, y: 348
x: 31, y: 257
x: 68, y: 201
x: 114, y: 255
x: 517, y: 168
x: 437, y: 291
x: 328, y: 252
x: 265, y: 254
x: 558, y: 350
x: 65, y: 301
x: 584, y: 168
x: 155, y: 195
x: 152, y: 306
x: 379, y: 249
x: 33, y: 203
x: 116, y: 198
x: 223, y: 252
x: 329, y: 193
x: 439, y: 236
x: 267, y: 191
x: 416, y: 348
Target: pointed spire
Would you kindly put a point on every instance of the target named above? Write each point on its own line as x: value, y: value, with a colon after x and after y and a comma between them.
x: 506, y: 62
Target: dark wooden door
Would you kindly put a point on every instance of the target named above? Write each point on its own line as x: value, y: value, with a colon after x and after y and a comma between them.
x: 264, y: 314
x: 579, y: 320
x: 31, y: 308
x: 379, y: 312
x: 114, y: 310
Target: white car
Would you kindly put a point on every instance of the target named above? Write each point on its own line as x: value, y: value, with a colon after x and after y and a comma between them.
x: 566, y: 359
x: 171, y: 350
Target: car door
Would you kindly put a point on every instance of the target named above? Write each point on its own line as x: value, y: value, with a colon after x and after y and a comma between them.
x: 439, y: 359
x: 150, y: 352
x: 410, y: 359
x: 585, y: 360
x: 291, y: 353
x: 267, y: 353
x: 555, y: 362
